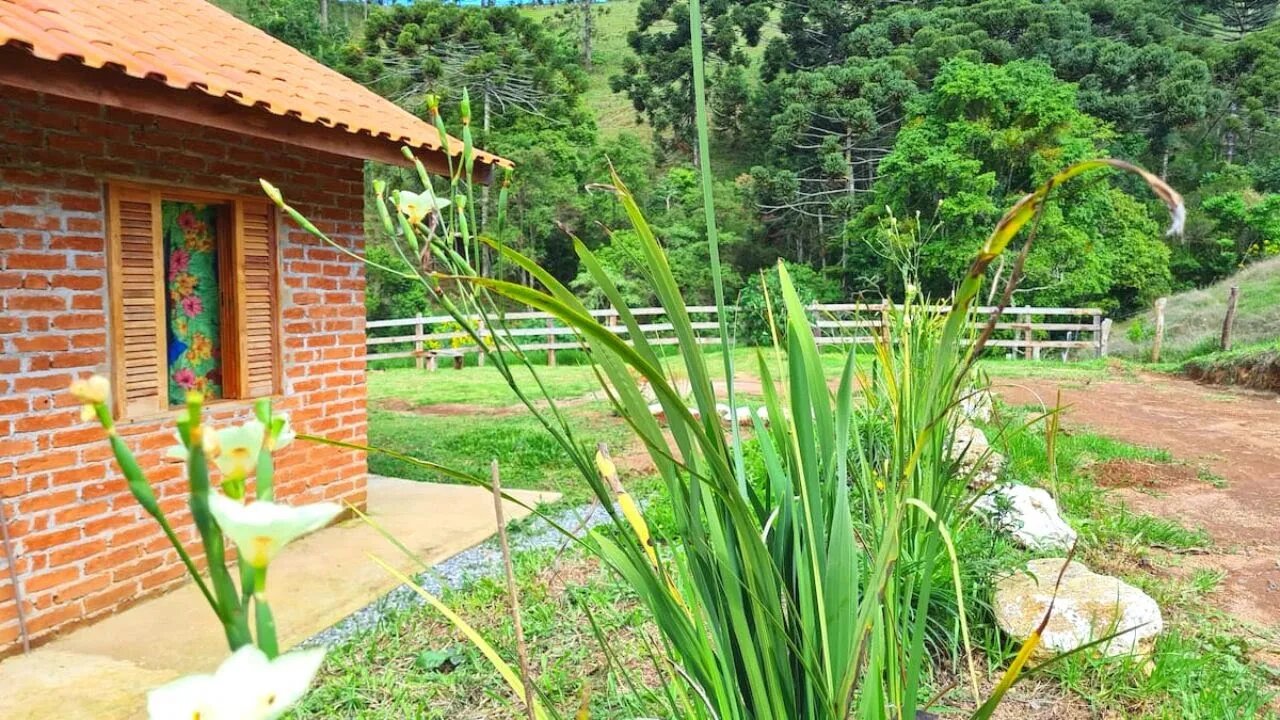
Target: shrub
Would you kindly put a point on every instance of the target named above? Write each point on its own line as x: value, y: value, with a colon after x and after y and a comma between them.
x: 752, y: 326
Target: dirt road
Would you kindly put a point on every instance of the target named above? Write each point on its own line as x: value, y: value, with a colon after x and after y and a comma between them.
x: 1235, y: 435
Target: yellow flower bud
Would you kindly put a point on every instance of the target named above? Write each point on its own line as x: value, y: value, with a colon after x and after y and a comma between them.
x: 91, y: 391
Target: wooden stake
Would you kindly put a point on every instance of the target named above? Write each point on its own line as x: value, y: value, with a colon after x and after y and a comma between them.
x: 1104, y: 338
x: 513, y: 597
x: 13, y: 579
x: 1159, y: 339
x: 1229, y: 323
x: 551, y: 341
x: 1028, y: 337
x: 419, y: 345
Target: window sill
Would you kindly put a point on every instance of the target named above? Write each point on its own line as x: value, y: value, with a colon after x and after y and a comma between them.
x: 212, y: 406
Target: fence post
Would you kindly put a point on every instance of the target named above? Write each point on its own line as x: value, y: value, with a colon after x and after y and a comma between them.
x: 1229, y: 322
x: 551, y: 340
x: 1104, y: 338
x: 419, y: 345
x: 480, y: 349
x: 884, y: 321
x: 1159, y: 339
x: 1028, y: 337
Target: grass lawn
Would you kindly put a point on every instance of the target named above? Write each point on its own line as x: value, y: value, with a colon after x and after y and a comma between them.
x: 414, y: 665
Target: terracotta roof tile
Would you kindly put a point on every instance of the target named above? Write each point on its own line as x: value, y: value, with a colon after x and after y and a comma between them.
x: 190, y: 44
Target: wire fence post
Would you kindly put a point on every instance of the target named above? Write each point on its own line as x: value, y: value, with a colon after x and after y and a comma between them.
x: 1229, y: 322
x: 1158, y: 341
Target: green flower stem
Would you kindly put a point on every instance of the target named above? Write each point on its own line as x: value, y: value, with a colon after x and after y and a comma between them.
x: 264, y: 475
x: 246, y: 582
x: 266, y: 622
x: 142, y: 492
x: 229, y: 609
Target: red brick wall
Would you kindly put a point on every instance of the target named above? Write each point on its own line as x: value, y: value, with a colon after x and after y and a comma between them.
x: 83, y: 547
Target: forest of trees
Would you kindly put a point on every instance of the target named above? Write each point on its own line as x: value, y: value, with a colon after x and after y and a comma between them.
x: 856, y: 136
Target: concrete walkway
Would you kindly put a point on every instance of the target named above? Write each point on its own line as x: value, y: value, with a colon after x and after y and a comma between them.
x: 102, y: 672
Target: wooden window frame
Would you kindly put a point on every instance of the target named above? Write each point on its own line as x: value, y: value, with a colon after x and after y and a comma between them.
x: 233, y: 319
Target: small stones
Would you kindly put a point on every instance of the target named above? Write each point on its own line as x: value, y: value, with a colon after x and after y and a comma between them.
x: 1028, y: 514
x: 1088, y: 607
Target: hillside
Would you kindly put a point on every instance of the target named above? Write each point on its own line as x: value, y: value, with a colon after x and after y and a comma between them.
x: 1193, y: 320
x: 614, y: 114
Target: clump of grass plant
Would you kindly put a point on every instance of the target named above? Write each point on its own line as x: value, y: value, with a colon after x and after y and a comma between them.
x: 813, y: 590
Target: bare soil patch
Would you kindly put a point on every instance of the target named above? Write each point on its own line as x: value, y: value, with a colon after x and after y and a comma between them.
x: 1260, y: 371
x: 1142, y: 475
x: 444, y: 409
x: 1235, y: 434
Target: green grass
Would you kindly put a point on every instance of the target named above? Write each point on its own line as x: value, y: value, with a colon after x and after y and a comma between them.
x: 394, y: 671
x: 479, y: 387
x: 1193, y: 320
x: 530, y: 458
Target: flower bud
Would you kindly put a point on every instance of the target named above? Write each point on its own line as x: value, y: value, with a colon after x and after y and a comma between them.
x: 92, y: 390
x: 272, y: 192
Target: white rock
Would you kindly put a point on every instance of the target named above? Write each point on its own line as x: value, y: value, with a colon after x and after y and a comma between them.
x: 1088, y: 607
x: 1029, y: 514
x: 658, y: 412
x: 976, y: 459
x: 977, y: 405
x: 723, y: 411
x: 968, y: 443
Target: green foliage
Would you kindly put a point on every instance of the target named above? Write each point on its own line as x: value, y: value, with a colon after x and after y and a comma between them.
x: 753, y: 322
x: 676, y: 209
x: 974, y: 143
x: 658, y: 78
x: 298, y: 23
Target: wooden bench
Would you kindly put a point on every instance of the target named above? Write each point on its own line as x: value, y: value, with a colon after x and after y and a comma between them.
x: 428, y: 357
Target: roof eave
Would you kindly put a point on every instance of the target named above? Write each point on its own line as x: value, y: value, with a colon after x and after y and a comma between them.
x: 71, y: 79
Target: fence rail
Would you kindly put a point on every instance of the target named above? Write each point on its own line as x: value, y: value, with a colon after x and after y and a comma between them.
x: 1030, y: 330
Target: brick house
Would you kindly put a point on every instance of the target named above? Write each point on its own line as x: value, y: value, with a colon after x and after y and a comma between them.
x: 135, y: 242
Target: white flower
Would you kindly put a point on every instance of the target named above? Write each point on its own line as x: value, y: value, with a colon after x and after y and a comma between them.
x: 282, y: 432
x: 178, y: 451
x: 237, y: 449
x: 247, y: 686
x: 417, y: 206
x: 262, y: 528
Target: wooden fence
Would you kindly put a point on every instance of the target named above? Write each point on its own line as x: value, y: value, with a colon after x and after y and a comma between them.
x: 1026, y: 331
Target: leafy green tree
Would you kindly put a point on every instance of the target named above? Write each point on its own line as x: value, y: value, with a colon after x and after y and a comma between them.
x: 301, y: 24
x: 754, y: 310
x: 982, y: 137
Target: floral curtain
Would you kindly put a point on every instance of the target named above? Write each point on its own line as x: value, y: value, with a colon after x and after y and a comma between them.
x: 192, y: 312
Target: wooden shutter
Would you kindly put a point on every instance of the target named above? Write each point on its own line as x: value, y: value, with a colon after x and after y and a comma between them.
x: 136, y: 271
x: 255, y: 293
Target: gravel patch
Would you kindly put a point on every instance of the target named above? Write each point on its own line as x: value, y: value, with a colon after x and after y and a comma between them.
x: 483, y: 560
